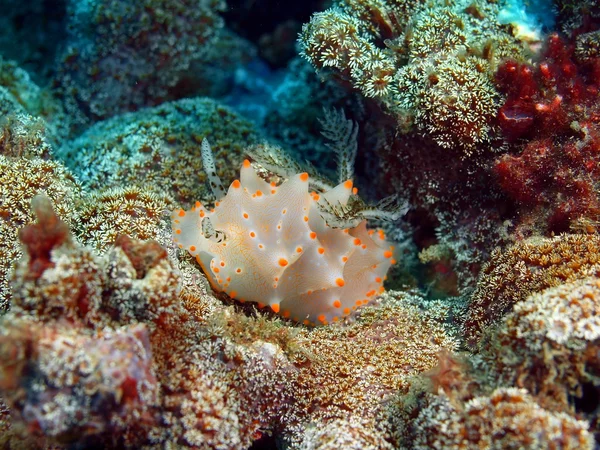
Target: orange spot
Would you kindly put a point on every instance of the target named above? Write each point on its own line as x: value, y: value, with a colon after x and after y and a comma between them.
x: 232, y: 294
x: 355, y: 191
x: 180, y: 246
x: 252, y: 234
x: 202, y: 213
x: 217, y: 204
x: 298, y: 249
x: 306, y: 322
x: 371, y: 232
x: 370, y: 293
x: 313, y: 235
x: 348, y: 184
x: 246, y: 163
x: 321, y: 250
x: 273, y: 191
x: 284, y: 211
x: 228, y: 279
x: 286, y: 313
x: 177, y: 221
x: 363, y: 246
x: 357, y: 241
x: 258, y: 193
x: 192, y: 248
x: 337, y: 303
x: 275, y: 307
x: 378, y: 279
x: 381, y: 289
x: 321, y: 318
x: 336, y: 318
x: 358, y: 302
x: 346, y: 311
x: 344, y: 258
x: 260, y: 305
x: 236, y: 184
x: 178, y: 231
x: 308, y: 292
x: 304, y: 176
x: 387, y: 254
x: 276, y: 278
x: 215, y: 269
x: 339, y: 282
x: 238, y: 270
x: 261, y: 246
x: 273, y: 184
x: 222, y: 263
x: 306, y: 218
x: 181, y: 213
x: 316, y: 197
x: 392, y: 261
x: 245, y: 215
x: 283, y: 262
x: 198, y: 204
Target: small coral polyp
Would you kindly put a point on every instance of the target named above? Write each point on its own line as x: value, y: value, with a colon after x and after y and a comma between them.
x: 269, y: 244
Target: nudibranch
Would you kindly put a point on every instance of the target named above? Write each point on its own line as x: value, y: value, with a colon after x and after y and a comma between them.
x: 269, y: 244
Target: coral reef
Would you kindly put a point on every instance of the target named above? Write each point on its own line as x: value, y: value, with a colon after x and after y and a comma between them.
x: 120, y: 57
x: 479, y: 119
x: 524, y: 268
x: 25, y: 171
x: 507, y: 418
x: 429, y: 66
x: 145, y: 147
x: 213, y: 381
x: 553, y: 334
x: 554, y: 107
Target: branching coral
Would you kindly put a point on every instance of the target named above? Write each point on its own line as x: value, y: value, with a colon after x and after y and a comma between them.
x: 524, y: 268
x: 431, y: 64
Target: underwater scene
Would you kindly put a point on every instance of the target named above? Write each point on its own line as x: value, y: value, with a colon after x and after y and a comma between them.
x: 310, y: 225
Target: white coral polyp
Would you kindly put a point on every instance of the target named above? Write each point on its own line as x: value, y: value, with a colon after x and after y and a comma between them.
x: 269, y: 244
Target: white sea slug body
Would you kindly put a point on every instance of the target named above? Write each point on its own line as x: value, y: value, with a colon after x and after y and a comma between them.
x: 269, y: 244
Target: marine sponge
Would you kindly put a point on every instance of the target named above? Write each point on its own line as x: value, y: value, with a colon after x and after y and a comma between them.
x: 270, y: 244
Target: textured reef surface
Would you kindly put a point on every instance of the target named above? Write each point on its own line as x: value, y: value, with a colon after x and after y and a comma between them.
x: 408, y: 258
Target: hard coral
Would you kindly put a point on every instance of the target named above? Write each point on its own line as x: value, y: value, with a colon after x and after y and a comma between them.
x: 527, y: 267
x: 507, y: 418
x: 124, y: 56
x: 103, y: 216
x: 431, y: 64
x: 147, y: 147
x: 162, y: 372
x: 548, y: 343
x: 21, y: 178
